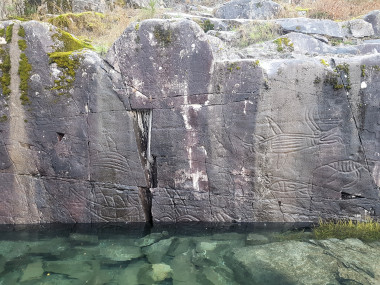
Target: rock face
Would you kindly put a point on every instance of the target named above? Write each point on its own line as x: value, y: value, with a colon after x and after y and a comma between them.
x: 280, y: 140
x: 248, y: 9
x: 68, y: 150
x: 175, y: 125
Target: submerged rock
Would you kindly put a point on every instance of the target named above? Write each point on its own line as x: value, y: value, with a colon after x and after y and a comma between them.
x: 325, y: 262
x: 154, y: 273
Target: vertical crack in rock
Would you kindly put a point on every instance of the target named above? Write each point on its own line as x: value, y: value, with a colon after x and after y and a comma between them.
x: 143, y: 130
x: 347, y: 90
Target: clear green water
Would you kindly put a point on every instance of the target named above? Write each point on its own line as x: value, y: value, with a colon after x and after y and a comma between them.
x: 182, y: 254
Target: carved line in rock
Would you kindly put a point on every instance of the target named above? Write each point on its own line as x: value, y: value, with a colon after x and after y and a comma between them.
x: 347, y: 169
x: 282, y: 143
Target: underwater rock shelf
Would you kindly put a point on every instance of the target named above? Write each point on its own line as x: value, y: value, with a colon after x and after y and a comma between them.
x: 181, y: 125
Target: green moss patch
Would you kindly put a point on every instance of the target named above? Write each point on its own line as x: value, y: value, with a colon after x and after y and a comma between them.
x: 21, y: 32
x: 22, y: 44
x: 24, y: 71
x: 68, y: 63
x: 9, y: 33
x: 344, y: 69
x: 2, y: 32
x: 283, y: 44
x: 5, y: 68
x: 67, y: 42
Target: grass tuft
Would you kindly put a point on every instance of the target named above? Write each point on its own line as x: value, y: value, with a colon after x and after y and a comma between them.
x: 368, y: 230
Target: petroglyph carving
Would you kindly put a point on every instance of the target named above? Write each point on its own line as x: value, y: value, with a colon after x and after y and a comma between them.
x: 346, y: 172
x: 282, y: 143
x: 110, y: 205
x: 111, y: 160
x: 288, y: 186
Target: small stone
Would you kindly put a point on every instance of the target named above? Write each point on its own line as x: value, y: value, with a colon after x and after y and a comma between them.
x: 161, y: 271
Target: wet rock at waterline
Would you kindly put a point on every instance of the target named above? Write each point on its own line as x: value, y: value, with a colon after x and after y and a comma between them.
x: 177, y: 125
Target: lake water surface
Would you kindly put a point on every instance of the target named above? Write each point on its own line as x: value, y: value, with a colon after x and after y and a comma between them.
x: 182, y: 254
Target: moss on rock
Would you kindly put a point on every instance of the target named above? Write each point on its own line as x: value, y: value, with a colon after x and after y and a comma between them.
x: 283, y: 43
x: 68, y: 62
x: 24, y: 71
x: 66, y: 42
x: 9, y: 33
x: 22, y: 44
x: 21, y: 32
x: 5, y: 67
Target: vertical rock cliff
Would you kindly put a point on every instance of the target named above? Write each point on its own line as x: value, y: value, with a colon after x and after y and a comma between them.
x: 178, y: 125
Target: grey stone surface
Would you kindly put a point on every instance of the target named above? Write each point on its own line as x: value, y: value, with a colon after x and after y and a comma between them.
x: 180, y: 126
x: 357, y: 28
x: 69, y: 157
x: 248, y: 9
x: 235, y: 150
x: 311, y: 26
x: 374, y: 19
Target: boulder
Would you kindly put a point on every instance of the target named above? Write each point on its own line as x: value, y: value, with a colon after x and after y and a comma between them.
x: 248, y: 9
x: 374, y: 19
x: 311, y: 26
x: 357, y: 28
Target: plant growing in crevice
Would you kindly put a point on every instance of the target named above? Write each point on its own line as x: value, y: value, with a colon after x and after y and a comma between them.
x: 21, y: 32
x: 8, y: 33
x: 363, y: 71
x: 24, y: 72
x: 5, y: 67
x: 344, y: 72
